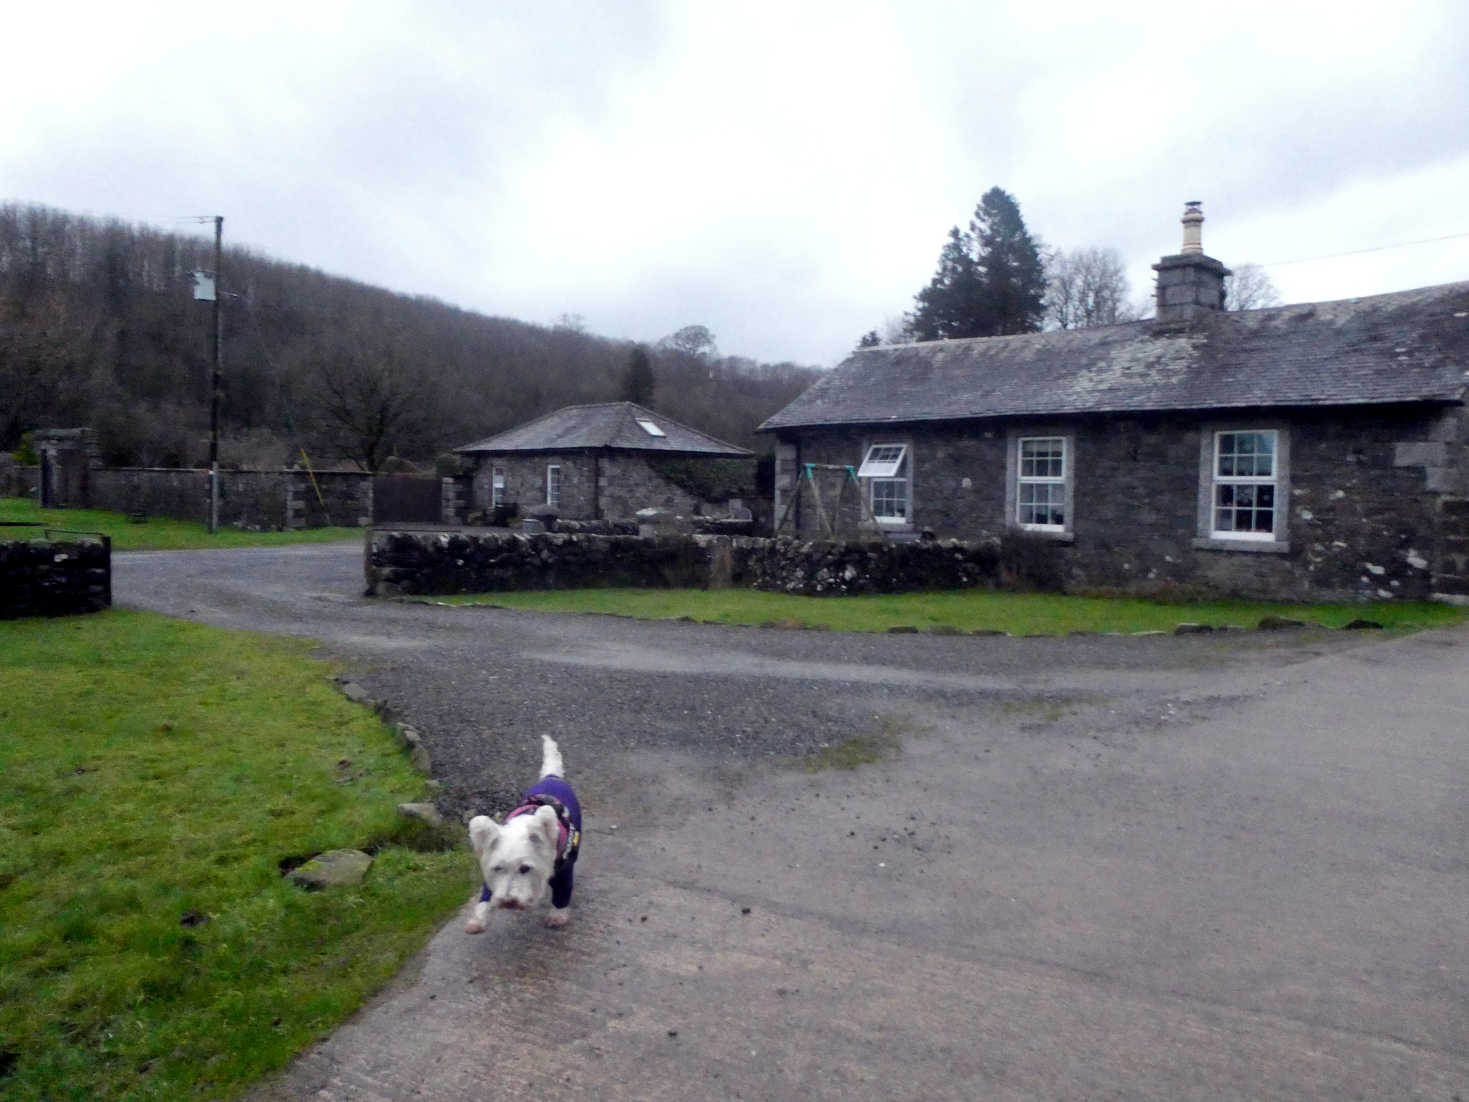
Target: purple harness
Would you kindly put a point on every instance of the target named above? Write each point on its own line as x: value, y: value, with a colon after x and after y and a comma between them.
x: 555, y: 793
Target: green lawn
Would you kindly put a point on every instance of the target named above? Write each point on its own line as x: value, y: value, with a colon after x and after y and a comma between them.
x: 963, y: 610
x: 154, y: 774
x: 157, y: 533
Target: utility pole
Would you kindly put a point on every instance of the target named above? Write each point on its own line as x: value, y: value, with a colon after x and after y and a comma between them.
x: 214, y: 395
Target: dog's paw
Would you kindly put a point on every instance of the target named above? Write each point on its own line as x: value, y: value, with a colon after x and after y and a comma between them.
x: 558, y: 918
x: 477, y: 919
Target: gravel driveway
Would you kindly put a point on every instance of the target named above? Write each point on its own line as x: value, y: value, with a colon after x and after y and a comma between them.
x: 1159, y: 867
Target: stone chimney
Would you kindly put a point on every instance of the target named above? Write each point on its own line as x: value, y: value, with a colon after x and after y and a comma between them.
x: 1190, y: 284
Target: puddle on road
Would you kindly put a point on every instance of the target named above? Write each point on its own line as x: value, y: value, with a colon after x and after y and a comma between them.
x: 737, y: 664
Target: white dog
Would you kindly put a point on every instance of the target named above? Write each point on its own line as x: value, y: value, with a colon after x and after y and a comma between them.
x: 530, y: 857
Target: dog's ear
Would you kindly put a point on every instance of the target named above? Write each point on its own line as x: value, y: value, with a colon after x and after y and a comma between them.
x: 549, y: 826
x: 483, y: 833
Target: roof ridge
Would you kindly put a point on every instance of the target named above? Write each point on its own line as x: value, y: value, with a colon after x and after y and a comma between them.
x: 1396, y: 346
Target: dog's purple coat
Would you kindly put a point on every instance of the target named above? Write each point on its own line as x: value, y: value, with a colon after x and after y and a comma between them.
x: 560, y: 792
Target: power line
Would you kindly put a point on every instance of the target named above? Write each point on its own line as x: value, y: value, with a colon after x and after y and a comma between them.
x: 1359, y: 252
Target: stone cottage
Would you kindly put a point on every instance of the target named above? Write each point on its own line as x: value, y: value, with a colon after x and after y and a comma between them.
x: 606, y: 462
x: 1302, y: 452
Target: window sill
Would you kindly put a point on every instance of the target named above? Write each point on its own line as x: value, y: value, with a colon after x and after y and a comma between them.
x: 1046, y: 533
x: 1259, y: 547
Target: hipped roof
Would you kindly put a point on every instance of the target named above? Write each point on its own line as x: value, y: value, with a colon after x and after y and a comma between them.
x: 605, y: 425
x: 1409, y: 346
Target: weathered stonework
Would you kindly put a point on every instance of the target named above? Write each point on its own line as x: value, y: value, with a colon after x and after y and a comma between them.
x: 54, y: 577
x: 406, y: 562
x: 456, y: 494
x: 1363, y: 494
x: 594, y: 485
x: 422, y: 563
x: 265, y: 500
x: 1451, y: 573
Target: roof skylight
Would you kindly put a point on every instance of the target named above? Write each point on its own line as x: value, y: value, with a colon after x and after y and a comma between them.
x: 650, y: 428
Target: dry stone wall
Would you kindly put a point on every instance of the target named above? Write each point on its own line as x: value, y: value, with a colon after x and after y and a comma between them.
x: 54, y: 577
x: 488, y: 562
x: 424, y: 563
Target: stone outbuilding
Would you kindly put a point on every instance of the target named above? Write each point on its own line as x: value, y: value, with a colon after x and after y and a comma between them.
x: 1316, y: 451
x: 607, y: 462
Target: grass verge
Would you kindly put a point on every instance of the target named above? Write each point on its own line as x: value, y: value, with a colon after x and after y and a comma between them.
x: 153, y: 775
x: 158, y: 534
x: 957, y: 610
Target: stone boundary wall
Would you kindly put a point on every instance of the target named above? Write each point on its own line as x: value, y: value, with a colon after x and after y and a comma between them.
x: 257, y: 500
x: 345, y: 501
x: 427, y: 563
x: 50, y: 577
x: 439, y: 562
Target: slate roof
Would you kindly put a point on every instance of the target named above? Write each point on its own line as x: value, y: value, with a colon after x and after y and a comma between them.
x: 1409, y: 346
x: 606, y: 425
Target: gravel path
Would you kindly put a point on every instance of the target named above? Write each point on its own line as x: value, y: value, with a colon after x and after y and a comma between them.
x: 483, y: 683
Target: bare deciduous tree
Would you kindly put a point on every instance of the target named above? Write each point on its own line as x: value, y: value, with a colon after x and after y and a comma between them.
x: 1086, y: 287
x: 370, y: 404
x: 692, y: 340
x: 1249, y: 287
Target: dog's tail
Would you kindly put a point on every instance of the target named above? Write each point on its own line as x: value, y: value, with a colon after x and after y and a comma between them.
x: 551, y: 765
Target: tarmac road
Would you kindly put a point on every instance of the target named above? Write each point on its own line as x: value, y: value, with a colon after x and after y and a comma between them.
x: 1155, y: 868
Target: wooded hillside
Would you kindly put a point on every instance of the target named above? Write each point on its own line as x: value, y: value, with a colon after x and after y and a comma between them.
x: 99, y: 327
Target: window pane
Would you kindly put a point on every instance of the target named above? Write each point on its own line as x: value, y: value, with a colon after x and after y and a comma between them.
x: 1246, y: 455
x: 1244, y: 509
x: 1042, y: 503
x: 1043, y: 457
x: 890, y: 498
x: 882, y: 461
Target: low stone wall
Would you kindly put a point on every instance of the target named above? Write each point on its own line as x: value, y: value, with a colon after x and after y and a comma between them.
x: 48, y: 577
x: 823, y: 568
x: 437, y: 562
x: 472, y: 562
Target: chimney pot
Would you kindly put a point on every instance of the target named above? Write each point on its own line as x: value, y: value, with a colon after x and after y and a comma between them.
x: 1193, y: 228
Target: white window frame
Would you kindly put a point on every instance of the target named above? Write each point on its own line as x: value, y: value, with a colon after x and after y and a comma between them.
x: 553, y: 485
x: 650, y: 427
x: 1221, y: 481
x: 885, y: 468
x: 1210, y: 536
x: 497, y: 486
x: 1014, y: 471
x: 1049, y: 479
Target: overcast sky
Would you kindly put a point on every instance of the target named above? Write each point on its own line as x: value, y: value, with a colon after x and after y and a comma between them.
x: 784, y: 173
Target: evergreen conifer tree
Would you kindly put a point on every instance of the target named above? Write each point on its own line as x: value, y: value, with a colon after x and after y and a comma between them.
x: 637, y: 378
x: 990, y: 280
